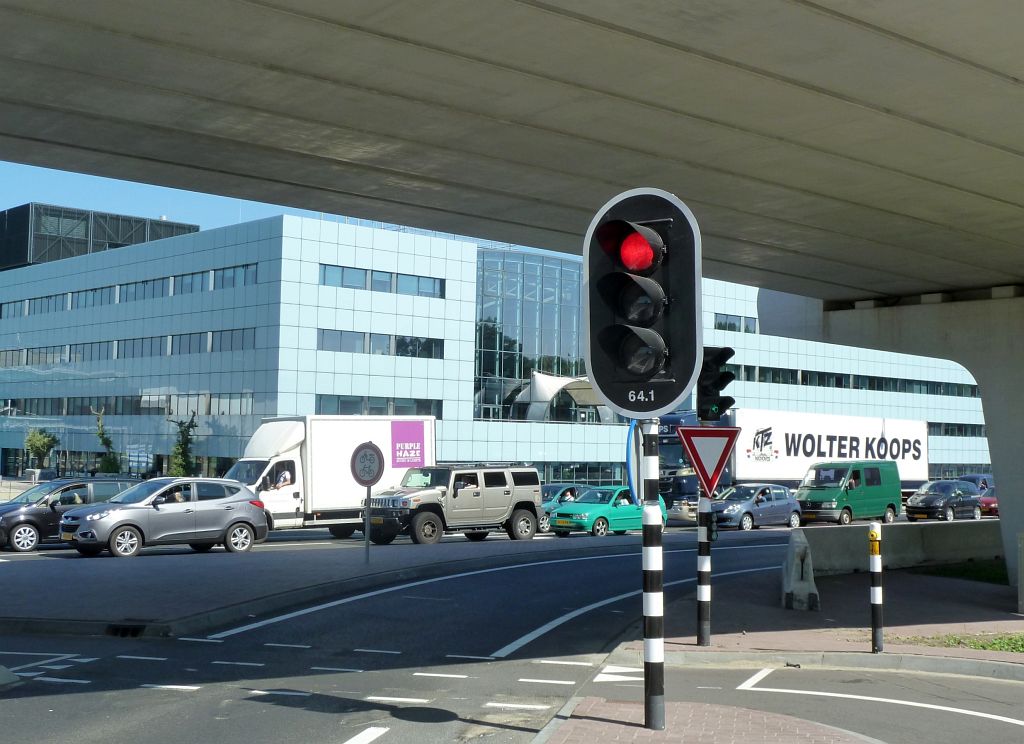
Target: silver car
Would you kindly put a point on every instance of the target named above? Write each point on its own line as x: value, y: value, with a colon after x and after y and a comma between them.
x: 199, y: 512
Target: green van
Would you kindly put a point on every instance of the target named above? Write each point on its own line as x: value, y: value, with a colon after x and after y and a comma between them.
x: 852, y: 489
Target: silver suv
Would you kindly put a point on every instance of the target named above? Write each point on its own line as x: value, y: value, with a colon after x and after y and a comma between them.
x: 200, y: 512
x: 466, y: 498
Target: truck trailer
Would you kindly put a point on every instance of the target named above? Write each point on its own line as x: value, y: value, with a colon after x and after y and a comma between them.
x: 301, y: 465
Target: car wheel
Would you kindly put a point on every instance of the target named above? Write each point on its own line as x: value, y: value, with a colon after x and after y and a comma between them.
x: 544, y: 523
x: 890, y: 515
x: 23, y: 538
x: 379, y: 537
x: 125, y: 542
x: 949, y: 515
x: 845, y: 517
x: 342, y: 531
x: 746, y: 522
x: 911, y: 519
x: 561, y: 533
x: 600, y: 528
x: 794, y: 520
x: 89, y: 551
x: 522, y: 525
x: 476, y: 536
x: 239, y: 538
x: 201, y: 547
x: 977, y: 512
x: 427, y: 528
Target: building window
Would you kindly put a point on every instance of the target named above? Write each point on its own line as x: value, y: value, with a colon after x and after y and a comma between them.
x: 749, y: 325
x: 198, y: 281
x: 380, y: 343
x: 188, y: 343
x: 423, y: 348
x: 239, y: 339
x: 145, y: 290
x: 45, y: 355
x: 134, y: 348
x: 234, y: 276
x: 49, y: 304
x: 92, y: 297
x: 350, y: 341
x: 12, y: 357
x: 14, y: 309
x: 356, y: 405
x: 382, y: 281
x: 93, y: 352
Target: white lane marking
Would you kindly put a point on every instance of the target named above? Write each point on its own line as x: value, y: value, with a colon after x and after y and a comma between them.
x: 178, y: 688
x: 50, y: 659
x: 755, y: 679
x: 201, y: 640
x: 367, y: 735
x: 438, y: 579
x: 64, y: 680
x: 702, y: 687
x: 143, y: 658
x: 287, y: 645
x: 292, y: 693
x: 548, y: 681
x: 516, y: 706
x: 83, y: 660
x: 464, y: 656
x: 56, y: 667
x: 565, y: 663
x: 538, y: 632
x: 612, y: 669
x: 29, y: 674
x: 446, y: 676
x: 375, y: 651
x: 336, y: 669
x: 381, y: 699
x: 890, y: 701
x: 239, y: 663
x: 605, y: 677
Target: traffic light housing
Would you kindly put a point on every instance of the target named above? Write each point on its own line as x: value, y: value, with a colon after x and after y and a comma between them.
x: 641, y: 303
x: 711, y: 404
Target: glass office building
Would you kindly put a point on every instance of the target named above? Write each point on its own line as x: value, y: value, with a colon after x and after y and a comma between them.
x: 289, y: 316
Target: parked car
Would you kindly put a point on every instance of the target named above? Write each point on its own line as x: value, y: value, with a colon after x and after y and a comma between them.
x: 945, y: 499
x: 199, y: 512
x: 989, y: 502
x: 754, y: 504
x: 601, y: 510
x: 34, y: 516
x: 552, y: 495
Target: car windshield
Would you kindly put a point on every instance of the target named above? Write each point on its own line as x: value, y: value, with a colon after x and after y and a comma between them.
x: 737, y: 493
x: 671, y: 453
x: 594, y: 496
x: 549, y: 492
x: 937, y: 488
x: 247, y: 471
x: 426, y: 477
x: 830, y: 476
x: 33, y: 494
x: 139, y: 493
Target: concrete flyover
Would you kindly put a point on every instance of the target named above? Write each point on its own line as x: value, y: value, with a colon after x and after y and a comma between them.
x: 866, y: 155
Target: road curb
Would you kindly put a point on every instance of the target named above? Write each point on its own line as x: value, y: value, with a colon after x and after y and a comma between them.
x: 559, y: 719
x: 934, y: 664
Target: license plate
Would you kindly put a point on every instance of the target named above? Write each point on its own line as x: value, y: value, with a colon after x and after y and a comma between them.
x: 565, y: 522
x: 67, y: 535
x: 805, y: 515
x: 376, y: 520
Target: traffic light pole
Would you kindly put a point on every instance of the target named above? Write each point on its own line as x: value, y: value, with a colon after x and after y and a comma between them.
x: 704, y: 517
x: 653, y: 582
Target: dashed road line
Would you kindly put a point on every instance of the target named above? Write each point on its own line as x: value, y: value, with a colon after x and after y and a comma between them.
x: 548, y: 681
x: 564, y: 663
x: 240, y: 663
x: 292, y: 693
x: 64, y: 680
x: 29, y: 674
x: 382, y: 699
x: 84, y: 660
x: 473, y: 658
x: 336, y: 669
x: 176, y: 688
x: 367, y: 735
x: 287, y: 645
x: 375, y: 651
x: 201, y: 640
x: 446, y: 676
x: 56, y: 667
x: 143, y: 658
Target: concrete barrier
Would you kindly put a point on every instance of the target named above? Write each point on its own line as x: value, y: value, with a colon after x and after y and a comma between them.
x: 841, y: 550
x: 798, y: 589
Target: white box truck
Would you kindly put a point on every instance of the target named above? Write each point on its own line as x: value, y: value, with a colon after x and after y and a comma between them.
x: 301, y: 466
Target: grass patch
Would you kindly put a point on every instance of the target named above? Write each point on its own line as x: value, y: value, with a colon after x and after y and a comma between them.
x: 991, y: 571
x: 1013, y: 642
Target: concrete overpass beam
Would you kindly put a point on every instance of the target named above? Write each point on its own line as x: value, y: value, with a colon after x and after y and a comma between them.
x: 984, y: 335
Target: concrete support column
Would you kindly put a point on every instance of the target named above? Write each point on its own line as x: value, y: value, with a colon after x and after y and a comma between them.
x: 982, y: 335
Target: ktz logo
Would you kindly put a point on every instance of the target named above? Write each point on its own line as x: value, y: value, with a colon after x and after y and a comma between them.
x: 761, y: 449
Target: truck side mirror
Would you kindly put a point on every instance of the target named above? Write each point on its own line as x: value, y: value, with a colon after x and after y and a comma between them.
x: 458, y: 486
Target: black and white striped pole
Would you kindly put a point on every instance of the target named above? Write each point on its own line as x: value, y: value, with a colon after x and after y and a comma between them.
x: 704, y: 517
x: 653, y: 582
x: 875, y: 566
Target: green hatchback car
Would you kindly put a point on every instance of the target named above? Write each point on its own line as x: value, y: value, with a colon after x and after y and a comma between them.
x: 601, y: 510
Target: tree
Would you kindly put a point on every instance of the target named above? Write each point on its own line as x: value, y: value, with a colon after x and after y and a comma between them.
x: 181, y: 456
x: 39, y: 442
x: 109, y: 462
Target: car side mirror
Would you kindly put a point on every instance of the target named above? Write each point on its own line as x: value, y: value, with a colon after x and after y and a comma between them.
x: 458, y: 485
x: 161, y: 499
x: 53, y: 505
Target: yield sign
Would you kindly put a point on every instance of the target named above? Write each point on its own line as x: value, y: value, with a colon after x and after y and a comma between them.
x: 708, y: 448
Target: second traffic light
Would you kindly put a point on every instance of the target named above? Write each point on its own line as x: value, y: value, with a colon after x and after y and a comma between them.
x: 641, y: 295
x: 711, y: 404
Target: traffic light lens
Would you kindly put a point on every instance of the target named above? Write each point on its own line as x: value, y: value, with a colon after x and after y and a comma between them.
x: 642, y: 358
x: 636, y: 253
x: 642, y: 304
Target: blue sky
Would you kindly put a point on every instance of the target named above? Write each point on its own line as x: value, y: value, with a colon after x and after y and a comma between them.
x: 20, y: 184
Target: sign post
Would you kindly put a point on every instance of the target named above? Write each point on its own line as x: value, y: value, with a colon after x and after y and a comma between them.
x: 367, y: 469
x: 708, y: 449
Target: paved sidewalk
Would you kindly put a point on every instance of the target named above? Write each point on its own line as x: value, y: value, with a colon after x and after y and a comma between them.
x: 751, y: 629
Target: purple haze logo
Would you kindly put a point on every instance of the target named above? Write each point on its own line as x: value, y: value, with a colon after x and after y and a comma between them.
x: 407, y: 444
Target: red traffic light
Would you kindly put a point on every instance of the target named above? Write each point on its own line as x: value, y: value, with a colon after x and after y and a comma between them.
x: 636, y: 253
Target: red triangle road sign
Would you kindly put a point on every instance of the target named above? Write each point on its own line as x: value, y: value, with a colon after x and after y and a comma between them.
x: 708, y: 448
